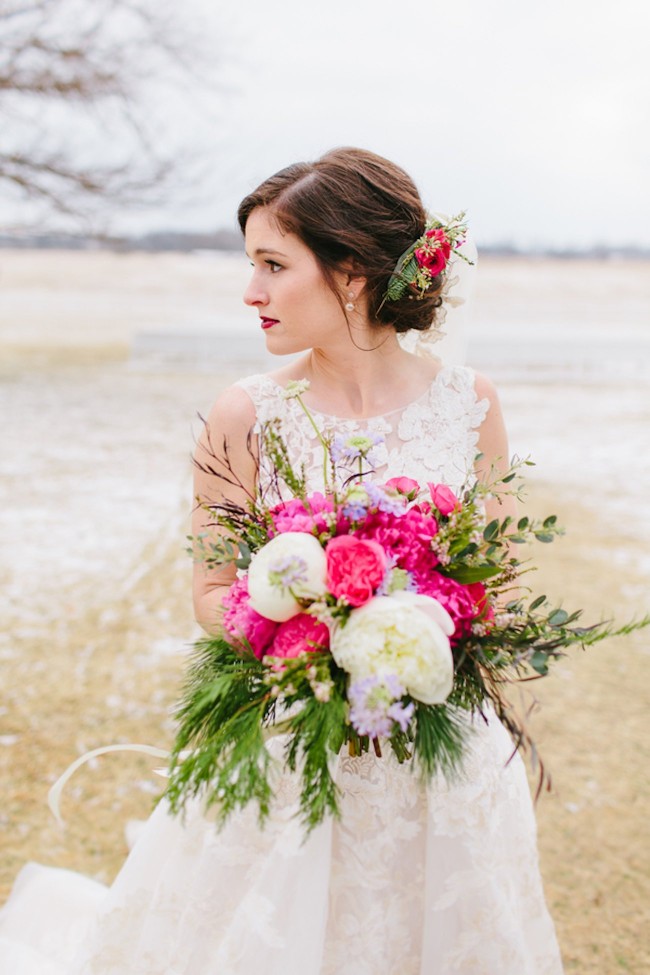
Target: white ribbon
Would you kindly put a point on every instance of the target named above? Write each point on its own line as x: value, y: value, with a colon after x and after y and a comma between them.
x: 54, y: 794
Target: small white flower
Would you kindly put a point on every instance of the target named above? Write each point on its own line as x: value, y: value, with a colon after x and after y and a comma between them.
x: 295, y: 388
x: 322, y: 691
x: 399, y: 635
x: 280, y: 603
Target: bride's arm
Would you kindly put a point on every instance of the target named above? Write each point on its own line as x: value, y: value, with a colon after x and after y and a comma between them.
x: 224, y: 447
x: 493, y: 445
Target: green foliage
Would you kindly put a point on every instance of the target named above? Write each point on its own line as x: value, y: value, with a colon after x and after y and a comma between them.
x: 440, y: 733
x: 278, y: 454
x: 221, y: 719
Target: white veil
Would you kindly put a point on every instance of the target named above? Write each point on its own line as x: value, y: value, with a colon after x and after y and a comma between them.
x: 449, y: 340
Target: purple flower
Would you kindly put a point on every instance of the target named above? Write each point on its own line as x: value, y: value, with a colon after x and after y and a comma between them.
x: 346, y: 450
x: 376, y: 706
x: 382, y: 501
x: 401, y: 714
x: 287, y: 571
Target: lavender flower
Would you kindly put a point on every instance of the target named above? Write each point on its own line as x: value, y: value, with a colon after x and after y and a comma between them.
x: 401, y: 714
x: 396, y: 580
x: 358, y: 446
x: 376, y: 706
x: 382, y: 501
x: 287, y: 572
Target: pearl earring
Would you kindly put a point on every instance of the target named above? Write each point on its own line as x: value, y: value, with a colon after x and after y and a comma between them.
x: 350, y: 305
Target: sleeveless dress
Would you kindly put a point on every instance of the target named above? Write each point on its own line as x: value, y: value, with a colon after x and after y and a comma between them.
x: 442, y: 880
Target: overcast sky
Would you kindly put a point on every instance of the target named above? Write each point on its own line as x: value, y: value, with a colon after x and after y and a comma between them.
x: 533, y: 117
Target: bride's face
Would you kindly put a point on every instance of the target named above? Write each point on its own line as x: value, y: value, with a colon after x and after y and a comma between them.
x: 297, y: 308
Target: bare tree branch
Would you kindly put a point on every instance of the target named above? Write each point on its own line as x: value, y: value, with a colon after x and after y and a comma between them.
x: 83, y: 90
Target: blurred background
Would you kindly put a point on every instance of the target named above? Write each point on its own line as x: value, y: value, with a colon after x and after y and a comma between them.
x: 130, y: 131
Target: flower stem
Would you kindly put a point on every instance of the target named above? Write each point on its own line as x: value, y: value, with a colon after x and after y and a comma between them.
x: 326, y: 450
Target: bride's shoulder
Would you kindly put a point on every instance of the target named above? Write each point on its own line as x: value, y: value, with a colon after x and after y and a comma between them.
x: 233, y: 411
x: 484, y: 387
x: 465, y: 379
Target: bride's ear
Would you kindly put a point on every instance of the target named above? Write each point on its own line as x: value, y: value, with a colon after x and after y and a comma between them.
x: 349, y: 280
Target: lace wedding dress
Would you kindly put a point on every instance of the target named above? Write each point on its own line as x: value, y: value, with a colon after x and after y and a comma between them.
x: 409, y: 881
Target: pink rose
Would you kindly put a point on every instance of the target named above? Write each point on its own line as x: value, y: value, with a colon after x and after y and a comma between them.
x: 404, y: 485
x: 243, y: 623
x: 355, y: 568
x: 301, y: 634
x: 444, y: 498
x: 435, y: 253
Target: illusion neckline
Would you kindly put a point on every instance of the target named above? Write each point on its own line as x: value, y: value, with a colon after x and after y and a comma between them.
x: 375, y: 416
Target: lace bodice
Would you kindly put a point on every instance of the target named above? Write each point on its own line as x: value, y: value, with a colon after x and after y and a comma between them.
x: 433, y: 438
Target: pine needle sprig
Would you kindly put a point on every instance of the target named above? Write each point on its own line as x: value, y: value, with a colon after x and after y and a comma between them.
x: 440, y: 735
x: 220, y: 750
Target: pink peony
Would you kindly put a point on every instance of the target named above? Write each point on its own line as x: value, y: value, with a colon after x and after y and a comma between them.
x: 459, y: 600
x: 242, y: 623
x: 444, y: 498
x: 300, y: 634
x: 405, y: 538
x: 404, y: 485
x: 435, y: 253
x: 355, y: 568
x: 296, y: 516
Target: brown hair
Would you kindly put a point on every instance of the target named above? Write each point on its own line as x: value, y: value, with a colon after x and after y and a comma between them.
x: 353, y: 209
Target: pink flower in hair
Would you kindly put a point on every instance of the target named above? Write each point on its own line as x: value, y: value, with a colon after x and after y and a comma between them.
x: 434, y: 254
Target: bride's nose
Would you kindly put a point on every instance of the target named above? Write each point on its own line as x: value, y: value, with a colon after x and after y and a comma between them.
x: 254, y: 293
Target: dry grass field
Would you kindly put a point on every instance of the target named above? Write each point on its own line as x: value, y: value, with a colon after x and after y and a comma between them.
x: 96, y: 612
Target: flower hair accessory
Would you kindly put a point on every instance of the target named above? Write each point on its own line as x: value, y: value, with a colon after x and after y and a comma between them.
x: 427, y: 258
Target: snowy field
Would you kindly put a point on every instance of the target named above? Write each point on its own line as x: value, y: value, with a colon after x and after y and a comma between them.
x: 106, y: 359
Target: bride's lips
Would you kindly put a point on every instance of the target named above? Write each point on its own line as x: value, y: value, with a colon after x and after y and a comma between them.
x: 268, y: 322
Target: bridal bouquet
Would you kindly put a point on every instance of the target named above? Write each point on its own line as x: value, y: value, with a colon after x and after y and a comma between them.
x: 367, y: 616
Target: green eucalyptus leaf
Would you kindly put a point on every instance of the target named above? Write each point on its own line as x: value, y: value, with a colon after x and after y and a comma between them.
x: 467, y: 574
x: 539, y: 662
x: 558, y: 617
x: 491, y: 530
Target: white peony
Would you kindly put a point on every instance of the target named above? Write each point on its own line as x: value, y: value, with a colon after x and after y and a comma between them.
x: 293, y: 564
x: 392, y: 635
x: 429, y: 605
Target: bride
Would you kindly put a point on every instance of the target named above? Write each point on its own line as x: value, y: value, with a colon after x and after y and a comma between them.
x: 441, y: 880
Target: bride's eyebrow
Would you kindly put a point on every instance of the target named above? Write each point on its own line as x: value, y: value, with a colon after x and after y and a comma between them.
x: 265, y: 250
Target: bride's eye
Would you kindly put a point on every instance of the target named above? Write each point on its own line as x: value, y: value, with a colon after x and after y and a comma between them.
x: 275, y: 267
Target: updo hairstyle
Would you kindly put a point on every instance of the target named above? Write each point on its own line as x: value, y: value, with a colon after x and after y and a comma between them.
x: 354, y: 210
